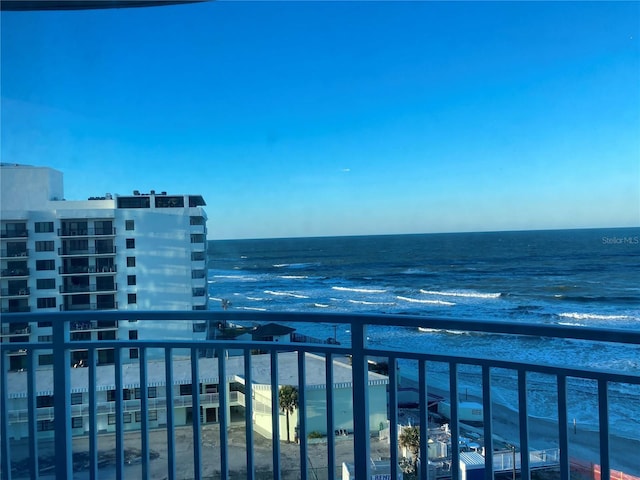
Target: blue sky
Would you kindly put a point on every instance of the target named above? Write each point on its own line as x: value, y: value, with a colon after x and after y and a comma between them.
x: 335, y: 118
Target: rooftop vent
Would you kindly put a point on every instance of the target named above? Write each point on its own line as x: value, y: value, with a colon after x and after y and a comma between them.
x: 136, y: 192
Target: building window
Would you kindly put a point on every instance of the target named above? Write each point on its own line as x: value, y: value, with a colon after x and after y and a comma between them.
x: 169, y: 202
x: 46, y: 359
x: 43, y: 401
x: 44, y: 227
x: 131, y: 261
x: 133, y: 353
x: 111, y: 419
x: 153, y: 415
x: 196, y: 221
x: 134, y: 202
x: 45, y: 338
x: 76, y: 422
x: 45, y: 264
x: 133, y: 334
x: 197, y: 238
x: 111, y: 395
x: 109, y: 335
x: 76, y: 399
x: 44, y: 246
x: 138, y: 417
x: 185, y: 389
x: 129, y: 225
x: 131, y: 243
x: 152, y: 392
x: 45, y: 425
x: 44, y: 324
x: 196, y: 201
x: 197, y: 273
x: 132, y: 298
x: 126, y: 417
x: 49, y: 302
x: 46, y: 283
x: 198, y: 256
x: 80, y: 336
x: 199, y: 327
x: 131, y: 279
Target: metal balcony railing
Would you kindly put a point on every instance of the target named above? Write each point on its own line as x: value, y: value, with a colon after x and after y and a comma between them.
x: 15, y: 292
x: 21, y: 253
x: 86, y: 251
x: 357, y: 348
x: 85, y: 232
x: 15, y: 272
x: 88, y: 288
x: 14, y: 233
x: 73, y: 270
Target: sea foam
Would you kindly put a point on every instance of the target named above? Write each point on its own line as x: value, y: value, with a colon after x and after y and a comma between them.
x: 430, y: 302
x: 359, y: 290
x: 461, y: 294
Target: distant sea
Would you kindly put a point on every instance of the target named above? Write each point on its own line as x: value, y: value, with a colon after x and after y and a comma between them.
x: 570, y: 277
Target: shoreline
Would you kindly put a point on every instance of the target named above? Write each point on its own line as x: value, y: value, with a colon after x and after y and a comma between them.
x: 543, y: 433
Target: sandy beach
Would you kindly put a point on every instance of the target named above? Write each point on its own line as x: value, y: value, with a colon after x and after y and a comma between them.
x: 584, y: 444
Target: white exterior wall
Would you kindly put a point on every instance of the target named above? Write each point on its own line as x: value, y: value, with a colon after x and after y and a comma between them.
x: 24, y: 187
x: 162, y: 250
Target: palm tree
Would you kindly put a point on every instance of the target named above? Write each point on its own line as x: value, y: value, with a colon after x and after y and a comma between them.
x: 410, y: 439
x: 288, y: 398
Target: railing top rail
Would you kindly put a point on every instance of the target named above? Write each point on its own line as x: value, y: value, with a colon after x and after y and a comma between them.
x: 487, y: 326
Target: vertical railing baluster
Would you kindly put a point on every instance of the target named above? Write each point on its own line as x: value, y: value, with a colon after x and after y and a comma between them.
x: 248, y: 419
x: 487, y: 412
x: 195, y: 407
x: 119, y: 420
x: 603, y: 414
x: 523, y: 413
x: 5, y: 453
x: 223, y: 410
x: 455, y: 424
x: 275, y: 414
x: 93, y: 415
x: 360, y: 374
x: 331, y: 428
x: 424, y: 425
x: 62, y: 399
x: 563, y: 428
x: 32, y: 410
x: 393, y: 416
x: 171, y: 424
x: 302, y: 415
x: 144, y: 411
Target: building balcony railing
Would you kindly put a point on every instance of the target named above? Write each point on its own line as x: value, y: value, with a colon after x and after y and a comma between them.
x: 15, y: 272
x: 86, y: 232
x: 14, y: 253
x: 16, y: 309
x: 19, y: 329
x: 15, y: 292
x: 69, y: 270
x: 69, y: 289
x: 163, y: 362
x: 68, y: 252
x: 89, y: 306
x: 80, y: 326
x: 14, y: 233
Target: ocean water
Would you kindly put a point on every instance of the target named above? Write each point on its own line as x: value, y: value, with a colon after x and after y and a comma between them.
x: 568, y: 277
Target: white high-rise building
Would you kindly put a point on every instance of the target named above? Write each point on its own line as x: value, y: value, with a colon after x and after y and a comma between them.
x: 142, y: 251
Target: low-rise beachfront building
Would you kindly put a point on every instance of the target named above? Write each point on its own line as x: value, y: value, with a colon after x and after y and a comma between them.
x: 182, y: 389
x: 143, y: 251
